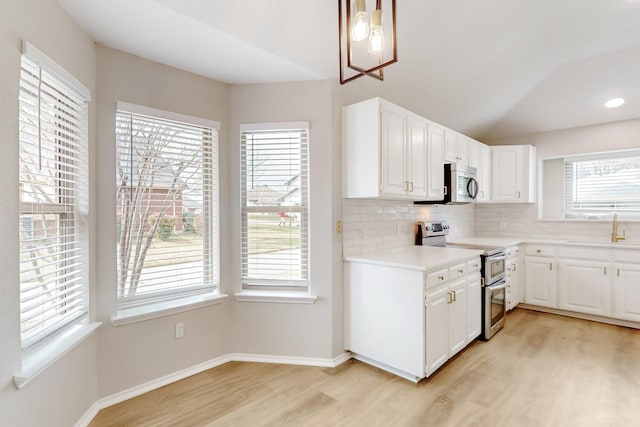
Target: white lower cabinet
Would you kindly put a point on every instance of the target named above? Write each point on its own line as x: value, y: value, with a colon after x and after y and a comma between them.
x: 626, y: 292
x: 408, y: 321
x: 584, y: 286
x: 513, y: 276
x: 541, y: 283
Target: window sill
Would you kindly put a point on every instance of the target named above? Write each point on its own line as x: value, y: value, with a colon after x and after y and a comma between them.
x: 161, y: 309
x: 38, y: 360
x: 286, y: 297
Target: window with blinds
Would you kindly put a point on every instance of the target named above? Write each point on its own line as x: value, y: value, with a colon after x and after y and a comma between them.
x: 601, y: 184
x: 167, y: 205
x: 53, y: 180
x: 275, y: 217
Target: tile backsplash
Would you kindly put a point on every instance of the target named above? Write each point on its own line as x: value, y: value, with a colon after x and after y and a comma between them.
x: 520, y: 220
x: 374, y: 225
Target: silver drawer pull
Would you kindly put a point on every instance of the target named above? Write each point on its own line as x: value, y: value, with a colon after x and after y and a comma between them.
x: 440, y: 277
x: 460, y: 270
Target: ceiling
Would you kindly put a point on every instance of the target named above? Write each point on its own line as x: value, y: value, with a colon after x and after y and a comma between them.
x: 489, y: 69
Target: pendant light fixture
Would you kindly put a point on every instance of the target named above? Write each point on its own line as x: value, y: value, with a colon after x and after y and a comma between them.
x: 366, y: 42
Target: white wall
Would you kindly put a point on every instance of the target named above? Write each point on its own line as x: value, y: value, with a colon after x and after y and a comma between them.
x: 41, y: 402
x: 296, y: 330
x: 133, y: 354
x: 521, y: 220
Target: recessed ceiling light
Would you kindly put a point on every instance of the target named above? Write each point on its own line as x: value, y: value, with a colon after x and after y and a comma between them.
x: 614, y: 102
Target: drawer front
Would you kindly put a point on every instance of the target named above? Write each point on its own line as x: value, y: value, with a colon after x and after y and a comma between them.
x: 457, y: 270
x: 474, y: 265
x: 437, y: 277
x: 513, y: 251
x: 626, y: 255
x: 577, y: 252
x: 540, y: 250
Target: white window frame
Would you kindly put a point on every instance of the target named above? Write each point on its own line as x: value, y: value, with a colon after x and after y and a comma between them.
x: 42, y: 351
x: 572, y: 208
x: 151, y: 305
x: 260, y: 288
x: 68, y: 100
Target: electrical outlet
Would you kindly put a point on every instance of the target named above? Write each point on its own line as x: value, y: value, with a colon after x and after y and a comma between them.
x: 339, y: 227
x: 502, y: 225
x: 179, y: 330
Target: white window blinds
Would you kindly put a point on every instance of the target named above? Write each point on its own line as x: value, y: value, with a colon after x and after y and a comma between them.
x: 53, y: 162
x: 167, y: 206
x: 602, y: 184
x: 275, y: 217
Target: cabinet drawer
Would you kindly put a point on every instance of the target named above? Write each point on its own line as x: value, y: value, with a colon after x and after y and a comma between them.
x: 513, y: 251
x: 577, y: 252
x: 437, y: 277
x: 626, y: 255
x: 474, y: 265
x: 457, y: 270
x: 540, y: 250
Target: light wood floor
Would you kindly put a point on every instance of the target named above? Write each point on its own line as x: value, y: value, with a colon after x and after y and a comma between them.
x: 540, y: 370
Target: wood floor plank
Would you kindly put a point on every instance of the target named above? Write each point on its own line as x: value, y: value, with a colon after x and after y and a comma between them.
x: 540, y: 370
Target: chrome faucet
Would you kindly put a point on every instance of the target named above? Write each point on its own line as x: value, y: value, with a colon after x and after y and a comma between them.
x: 615, y: 237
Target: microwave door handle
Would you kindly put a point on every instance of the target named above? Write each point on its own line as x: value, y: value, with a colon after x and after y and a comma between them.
x: 472, y: 188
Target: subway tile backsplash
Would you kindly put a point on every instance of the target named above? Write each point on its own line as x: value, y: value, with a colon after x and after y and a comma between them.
x: 520, y: 220
x: 373, y: 225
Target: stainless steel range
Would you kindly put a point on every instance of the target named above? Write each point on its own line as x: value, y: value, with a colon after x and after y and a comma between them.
x: 494, y: 301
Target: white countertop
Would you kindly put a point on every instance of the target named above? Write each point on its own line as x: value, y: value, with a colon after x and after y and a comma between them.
x: 511, y: 241
x: 489, y: 241
x: 423, y: 258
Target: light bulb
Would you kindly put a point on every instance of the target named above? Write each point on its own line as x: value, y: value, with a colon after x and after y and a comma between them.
x: 359, y: 25
x: 376, y: 38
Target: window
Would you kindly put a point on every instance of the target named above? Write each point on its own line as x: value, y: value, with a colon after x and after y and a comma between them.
x: 53, y: 168
x: 275, y: 213
x: 167, y: 206
x: 600, y: 184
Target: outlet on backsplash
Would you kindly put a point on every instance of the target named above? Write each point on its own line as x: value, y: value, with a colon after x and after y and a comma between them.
x: 502, y: 225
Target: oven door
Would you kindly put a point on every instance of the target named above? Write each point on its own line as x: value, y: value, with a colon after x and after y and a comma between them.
x: 494, y: 308
x: 494, y: 267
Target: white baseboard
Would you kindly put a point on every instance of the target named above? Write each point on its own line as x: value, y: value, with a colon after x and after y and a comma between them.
x: 132, y: 392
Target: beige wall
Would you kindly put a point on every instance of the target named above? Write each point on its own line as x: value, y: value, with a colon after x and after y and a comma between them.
x: 41, y: 402
x: 295, y: 330
x: 133, y: 354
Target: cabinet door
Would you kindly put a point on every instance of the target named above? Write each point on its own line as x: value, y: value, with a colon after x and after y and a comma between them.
x: 436, y: 163
x: 463, y: 155
x: 541, y: 284
x: 437, y: 328
x: 417, y: 147
x: 484, y: 173
x: 583, y: 286
x: 450, y: 146
x: 626, y: 292
x: 458, y: 316
x: 474, y: 307
x: 393, y: 141
x: 506, y: 179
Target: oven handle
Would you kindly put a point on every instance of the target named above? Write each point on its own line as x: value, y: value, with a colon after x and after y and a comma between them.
x: 497, y: 287
x: 498, y: 256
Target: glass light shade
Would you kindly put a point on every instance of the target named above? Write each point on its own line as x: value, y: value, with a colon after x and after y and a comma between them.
x: 376, y: 38
x: 359, y: 25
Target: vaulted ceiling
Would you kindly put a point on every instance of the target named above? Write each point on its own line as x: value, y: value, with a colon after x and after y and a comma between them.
x: 490, y: 69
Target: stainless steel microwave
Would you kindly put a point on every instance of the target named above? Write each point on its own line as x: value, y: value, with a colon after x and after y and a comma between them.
x: 460, y: 185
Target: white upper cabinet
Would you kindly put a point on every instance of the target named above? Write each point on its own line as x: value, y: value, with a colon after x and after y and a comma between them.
x: 387, y: 153
x: 513, y: 174
x: 394, y: 150
x: 456, y: 147
x: 484, y: 173
x: 435, y: 167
